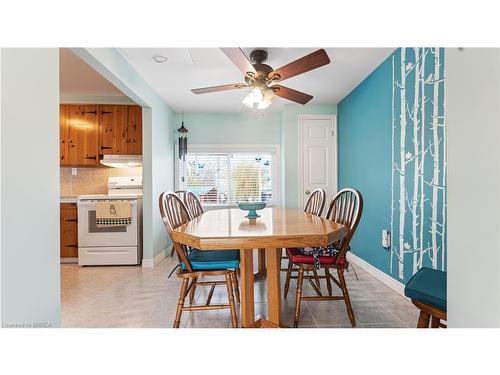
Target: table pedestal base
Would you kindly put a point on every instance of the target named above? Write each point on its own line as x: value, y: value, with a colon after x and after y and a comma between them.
x: 261, y: 264
x: 269, y: 265
x: 263, y: 323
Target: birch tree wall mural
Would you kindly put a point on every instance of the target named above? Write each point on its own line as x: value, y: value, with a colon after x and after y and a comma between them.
x: 418, y: 187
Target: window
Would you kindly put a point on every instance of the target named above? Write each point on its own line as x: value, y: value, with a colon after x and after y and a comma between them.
x: 220, y: 176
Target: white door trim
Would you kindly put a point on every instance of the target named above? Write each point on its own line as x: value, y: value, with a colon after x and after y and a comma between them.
x: 334, y: 153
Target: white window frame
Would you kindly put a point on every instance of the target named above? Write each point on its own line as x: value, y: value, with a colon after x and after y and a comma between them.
x: 273, y: 149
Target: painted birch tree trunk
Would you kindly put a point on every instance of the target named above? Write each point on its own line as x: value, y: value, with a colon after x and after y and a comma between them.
x: 402, y: 153
x: 393, y: 127
x: 422, y: 157
x: 418, y: 100
x: 435, y: 177
x: 414, y: 200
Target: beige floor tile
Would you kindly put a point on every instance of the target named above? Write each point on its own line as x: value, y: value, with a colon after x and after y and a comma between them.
x: 131, y: 296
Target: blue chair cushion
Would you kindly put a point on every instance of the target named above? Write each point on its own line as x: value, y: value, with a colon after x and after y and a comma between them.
x: 213, y: 259
x: 428, y: 286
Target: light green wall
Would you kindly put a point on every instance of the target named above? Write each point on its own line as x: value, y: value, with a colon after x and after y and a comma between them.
x: 248, y: 128
x: 158, y: 138
x: 290, y: 146
x: 29, y: 145
x: 263, y: 127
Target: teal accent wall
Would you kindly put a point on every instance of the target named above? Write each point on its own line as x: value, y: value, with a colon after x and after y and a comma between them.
x: 261, y: 127
x: 364, y: 160
x: 391, y: 142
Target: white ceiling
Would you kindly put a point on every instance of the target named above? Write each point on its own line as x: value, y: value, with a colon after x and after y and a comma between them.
x: 189, y: 68
x: 77, y: 79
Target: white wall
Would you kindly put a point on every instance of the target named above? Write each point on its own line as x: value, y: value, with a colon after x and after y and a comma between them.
x: 473, y: 126
x: 0, y: 185
x: 30, y: 291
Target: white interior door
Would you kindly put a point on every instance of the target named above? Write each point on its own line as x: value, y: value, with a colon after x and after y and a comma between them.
x: 318, y: 156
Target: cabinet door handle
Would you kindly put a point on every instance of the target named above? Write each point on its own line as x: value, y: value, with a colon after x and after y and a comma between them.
x: 74, y: 245
x: 74, y: 220
x: 106, y: 112
x: 91, y: 112
x: 106, y: 148
x: 90, y: 157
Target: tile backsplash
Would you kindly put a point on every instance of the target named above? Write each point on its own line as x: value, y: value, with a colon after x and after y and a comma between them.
x: 91, y: 180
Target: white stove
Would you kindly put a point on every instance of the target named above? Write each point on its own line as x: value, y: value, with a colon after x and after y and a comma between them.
x: 123, y: 188
x: 112, y: 245
x: 104, y: 197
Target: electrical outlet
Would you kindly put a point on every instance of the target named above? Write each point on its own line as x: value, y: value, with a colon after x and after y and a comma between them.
x: 386, y: 239
x: 74, y: 171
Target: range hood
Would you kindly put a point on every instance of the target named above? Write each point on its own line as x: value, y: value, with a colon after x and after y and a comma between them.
x: 122, y: 161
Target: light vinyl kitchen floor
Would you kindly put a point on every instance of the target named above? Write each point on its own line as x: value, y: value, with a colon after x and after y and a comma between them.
x: 132, y: 296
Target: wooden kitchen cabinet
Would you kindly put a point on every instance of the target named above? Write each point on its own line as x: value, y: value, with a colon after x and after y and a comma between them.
x: 88, y: 131
x: 63, y: 134
x: 69, y: 230
x: 113, y: 129
x: 134, y: 130
x: 78, y: 135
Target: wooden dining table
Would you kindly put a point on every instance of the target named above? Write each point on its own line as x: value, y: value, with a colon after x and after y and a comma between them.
x: 275, y: 229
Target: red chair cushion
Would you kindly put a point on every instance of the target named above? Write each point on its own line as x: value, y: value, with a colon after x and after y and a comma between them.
x: 296, y: 257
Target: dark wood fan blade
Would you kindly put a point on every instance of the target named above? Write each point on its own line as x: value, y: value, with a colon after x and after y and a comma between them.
x: 232, y: 86
x: 238, y: 57
x: 291, y: 94
x: 304, y: 64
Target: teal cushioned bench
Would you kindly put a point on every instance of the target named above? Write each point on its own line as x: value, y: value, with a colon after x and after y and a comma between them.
x: 428, y: 286
x: 213, y: 259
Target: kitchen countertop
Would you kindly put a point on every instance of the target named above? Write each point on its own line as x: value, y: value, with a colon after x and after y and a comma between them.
x: 68, y: 199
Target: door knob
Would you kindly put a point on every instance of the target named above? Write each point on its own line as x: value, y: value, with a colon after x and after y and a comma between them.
x: 307, y: 192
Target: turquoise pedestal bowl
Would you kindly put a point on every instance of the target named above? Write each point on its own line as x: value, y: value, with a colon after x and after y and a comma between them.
x: 252, y: 207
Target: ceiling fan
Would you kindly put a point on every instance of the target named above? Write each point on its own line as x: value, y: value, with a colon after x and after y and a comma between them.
x: 262, y: 78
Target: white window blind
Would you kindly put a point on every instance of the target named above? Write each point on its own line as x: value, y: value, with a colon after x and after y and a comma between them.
x: 226, y: 178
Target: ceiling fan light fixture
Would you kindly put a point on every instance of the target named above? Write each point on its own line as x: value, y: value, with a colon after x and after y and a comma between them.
x: 254, y: 97
x: 267, y: 100
x: 259, y: 76
x: 264, y: 104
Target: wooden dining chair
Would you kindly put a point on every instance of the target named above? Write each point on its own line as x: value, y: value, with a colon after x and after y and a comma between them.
x: 345, y: 208
x: 181, y: 194
x: 314, y: 206
x: 315, y: 203
x: 196, y: 264
x: 193, y: 204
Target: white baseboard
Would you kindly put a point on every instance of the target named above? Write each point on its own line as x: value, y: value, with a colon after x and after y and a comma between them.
x: 150, y: 263
x: 69, y: 260
x: 376, y: 273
